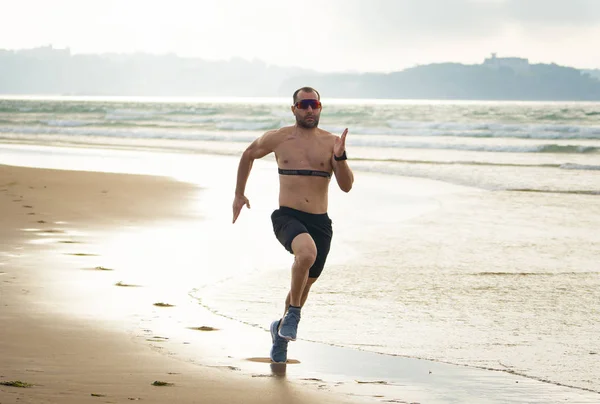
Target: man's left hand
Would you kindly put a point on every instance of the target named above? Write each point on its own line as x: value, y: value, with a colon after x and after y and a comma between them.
x: 339, y: 147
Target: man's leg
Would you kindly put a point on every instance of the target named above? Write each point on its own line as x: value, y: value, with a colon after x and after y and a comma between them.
x: 305, y: 252
x: 309, y: 283
x: 279, y: 349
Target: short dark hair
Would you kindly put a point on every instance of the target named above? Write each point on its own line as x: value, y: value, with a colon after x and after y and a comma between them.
x: 306, y: 90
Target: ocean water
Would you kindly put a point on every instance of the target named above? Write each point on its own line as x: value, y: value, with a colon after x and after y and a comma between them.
x: 471, y: 237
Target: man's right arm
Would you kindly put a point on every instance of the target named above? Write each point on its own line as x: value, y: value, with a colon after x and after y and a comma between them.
x: 257, y: 149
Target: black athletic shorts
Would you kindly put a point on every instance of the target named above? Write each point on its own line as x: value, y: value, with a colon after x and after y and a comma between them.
x: 288, y: 223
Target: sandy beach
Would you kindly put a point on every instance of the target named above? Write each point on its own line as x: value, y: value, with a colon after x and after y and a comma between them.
x: 74, y: 359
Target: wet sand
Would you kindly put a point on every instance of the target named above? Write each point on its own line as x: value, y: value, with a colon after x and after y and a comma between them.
x: 63, y: 358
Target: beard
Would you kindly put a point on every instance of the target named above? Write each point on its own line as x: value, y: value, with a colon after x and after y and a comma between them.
x: 304, y: 123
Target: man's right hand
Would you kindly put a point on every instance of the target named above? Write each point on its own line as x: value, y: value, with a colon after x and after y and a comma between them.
x: 238, y: 203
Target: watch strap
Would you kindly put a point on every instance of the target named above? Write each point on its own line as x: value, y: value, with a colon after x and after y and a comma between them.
x: 342, y: 157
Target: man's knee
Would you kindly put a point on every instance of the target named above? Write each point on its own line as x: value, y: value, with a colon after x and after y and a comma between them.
x: 306, y: 257
x: 305, y: 250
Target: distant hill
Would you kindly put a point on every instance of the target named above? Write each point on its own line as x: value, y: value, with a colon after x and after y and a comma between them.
x: 56, y: 71
x: 450, y: 81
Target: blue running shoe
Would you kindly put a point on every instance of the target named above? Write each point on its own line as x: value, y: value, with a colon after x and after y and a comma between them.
x: 289, y: 325
x: 279, y: 348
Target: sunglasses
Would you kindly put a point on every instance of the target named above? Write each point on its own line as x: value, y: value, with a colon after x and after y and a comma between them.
x: 304, y: 104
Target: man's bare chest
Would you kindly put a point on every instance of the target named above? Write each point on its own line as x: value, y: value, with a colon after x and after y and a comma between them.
x: 294, y: 153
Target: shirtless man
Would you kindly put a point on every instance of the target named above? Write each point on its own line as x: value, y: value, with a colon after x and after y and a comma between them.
x: 306, y: 157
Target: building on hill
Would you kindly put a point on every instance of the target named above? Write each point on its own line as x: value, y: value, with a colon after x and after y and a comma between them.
x: 518, y: 65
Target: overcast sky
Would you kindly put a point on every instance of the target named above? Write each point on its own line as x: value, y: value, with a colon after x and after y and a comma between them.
x: 326, y: 35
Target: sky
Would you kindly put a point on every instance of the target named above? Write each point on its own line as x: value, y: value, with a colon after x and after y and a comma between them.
x: 326, y: 35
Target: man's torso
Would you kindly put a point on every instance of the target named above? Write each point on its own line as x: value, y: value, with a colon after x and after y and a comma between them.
x: 301, y: 152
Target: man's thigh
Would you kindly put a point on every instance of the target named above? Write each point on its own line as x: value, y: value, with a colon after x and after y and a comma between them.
x: 304, y: 244
x: 287, y: 228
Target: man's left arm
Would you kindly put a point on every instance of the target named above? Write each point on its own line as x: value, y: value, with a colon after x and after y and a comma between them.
x: 341, y: 169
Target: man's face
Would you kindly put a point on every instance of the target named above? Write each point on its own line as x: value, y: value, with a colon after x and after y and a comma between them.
x: 307, y: 117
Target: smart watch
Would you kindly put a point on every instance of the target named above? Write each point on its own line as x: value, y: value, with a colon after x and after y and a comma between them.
x: 342, y: 157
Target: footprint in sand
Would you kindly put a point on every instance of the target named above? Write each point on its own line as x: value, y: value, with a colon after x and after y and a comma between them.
x: 98, y: 269
x: 126, y: 285
x: 236, y: 369
x: 28, y: 206
x: 203, y: 328
x: 161, y: 383
x: 52, y: 231
x: 157, y: 339
x: 82, y: 254
x: 161, y: 304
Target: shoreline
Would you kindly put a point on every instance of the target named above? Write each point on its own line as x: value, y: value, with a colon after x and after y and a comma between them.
x: 342, y: 371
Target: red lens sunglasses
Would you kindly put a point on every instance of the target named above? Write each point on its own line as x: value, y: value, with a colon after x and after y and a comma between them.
x: 304, y: 104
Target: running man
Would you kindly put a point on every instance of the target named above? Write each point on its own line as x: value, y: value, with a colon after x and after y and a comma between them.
x: 306, y: 158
